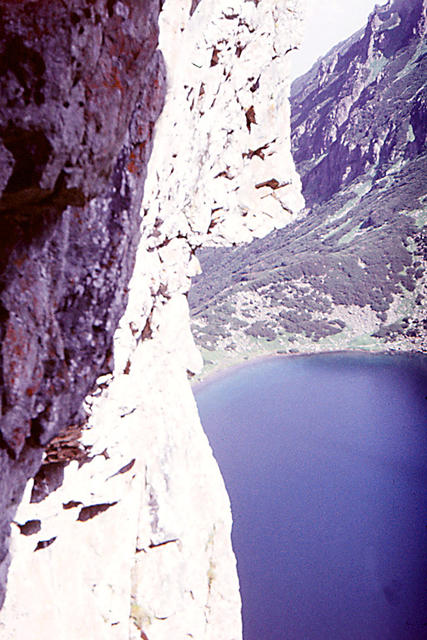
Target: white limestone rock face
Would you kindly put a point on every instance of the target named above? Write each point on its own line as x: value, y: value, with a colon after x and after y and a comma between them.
x: 136, y: 543
x: 227, y: 116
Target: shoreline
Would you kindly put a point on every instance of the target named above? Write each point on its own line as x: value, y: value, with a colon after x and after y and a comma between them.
x: 220, y: 371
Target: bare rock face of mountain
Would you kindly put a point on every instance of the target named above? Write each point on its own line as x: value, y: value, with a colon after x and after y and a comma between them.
x: 81, y: 88
x: 125, y: 529
x: 351, y: 274
x: 229, y: 92
x: 362, y: 107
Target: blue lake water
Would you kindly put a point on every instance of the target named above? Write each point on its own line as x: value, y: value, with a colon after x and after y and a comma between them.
x: 325, y: 461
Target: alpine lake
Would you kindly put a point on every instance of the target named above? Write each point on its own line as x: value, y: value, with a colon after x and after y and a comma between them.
x: 325, y: 461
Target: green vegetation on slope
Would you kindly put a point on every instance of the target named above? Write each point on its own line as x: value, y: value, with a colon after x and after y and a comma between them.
x: 351, y: 274
x: 322, y: 283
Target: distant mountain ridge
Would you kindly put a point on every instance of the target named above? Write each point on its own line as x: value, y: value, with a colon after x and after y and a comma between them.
x: 351, y: 274
x: 362, y: 106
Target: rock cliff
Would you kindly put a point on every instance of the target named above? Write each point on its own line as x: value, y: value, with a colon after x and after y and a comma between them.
x: 361, y: 108
x: 81, y: 88
x: 229, y: 88
x: 125, y: 530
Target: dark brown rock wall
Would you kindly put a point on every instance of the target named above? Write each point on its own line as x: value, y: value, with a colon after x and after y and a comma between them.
x: 81, y: 86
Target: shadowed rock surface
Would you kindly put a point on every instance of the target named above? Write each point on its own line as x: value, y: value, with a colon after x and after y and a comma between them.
x: 362, y: 107
x: 81, y: 86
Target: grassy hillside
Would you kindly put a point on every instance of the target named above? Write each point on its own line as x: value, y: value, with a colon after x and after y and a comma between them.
x: 351, y: 273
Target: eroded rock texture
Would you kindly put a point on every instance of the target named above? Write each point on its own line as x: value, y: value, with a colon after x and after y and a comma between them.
x: 227, y: 116
x: 81, y: 87
x: 362, y: 107
x: 139, y: 521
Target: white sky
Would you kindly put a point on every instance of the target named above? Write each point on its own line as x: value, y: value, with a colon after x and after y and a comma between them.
x: 327, y: 23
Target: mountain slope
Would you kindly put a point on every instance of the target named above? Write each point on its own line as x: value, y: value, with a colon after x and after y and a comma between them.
x: 351, y: 274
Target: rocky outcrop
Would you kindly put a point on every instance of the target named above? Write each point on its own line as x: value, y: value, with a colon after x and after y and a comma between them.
x: 229, y: 91
x: 125, y: 529
x: 361, y: 108
x: 81, y: 88
x: 136, y: 542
